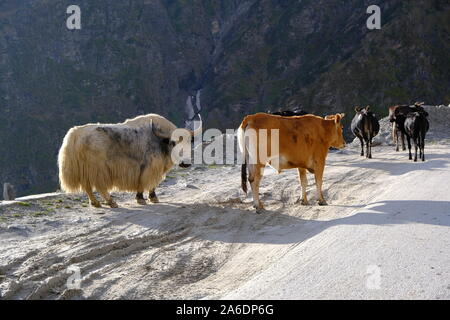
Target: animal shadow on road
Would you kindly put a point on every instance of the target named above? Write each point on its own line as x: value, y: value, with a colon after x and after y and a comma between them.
x: 399, y: 168
x: 235, y: 225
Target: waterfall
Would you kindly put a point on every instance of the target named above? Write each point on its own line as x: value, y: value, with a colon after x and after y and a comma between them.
x: 192, y: 109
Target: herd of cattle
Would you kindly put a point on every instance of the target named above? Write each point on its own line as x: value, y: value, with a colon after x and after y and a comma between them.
x: 407, y: 120
x: 135, y: 155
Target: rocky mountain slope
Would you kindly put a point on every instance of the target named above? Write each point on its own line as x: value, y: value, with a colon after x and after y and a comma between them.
x: 135, y: 57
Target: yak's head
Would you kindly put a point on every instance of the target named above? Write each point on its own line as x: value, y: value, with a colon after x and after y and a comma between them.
x: 177, y: 144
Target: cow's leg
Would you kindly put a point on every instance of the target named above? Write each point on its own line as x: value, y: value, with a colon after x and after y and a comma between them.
x: 362, y: 146
x: 318, y: 174
x: 402, y: 135
x: 140, y: 198
x: 423, y: 146
x: 152, y: 196
x: 408, y: 139
x: 254, y: 177
x: 415, y: 149
x: 304, y: 184
x: 367, y: 149
x: 109, y: 200
x: 370, y: 147
x: 395, y: 135
x: 92, y: 199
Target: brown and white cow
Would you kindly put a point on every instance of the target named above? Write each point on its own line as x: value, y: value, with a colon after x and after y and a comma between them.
x: 303, y: 143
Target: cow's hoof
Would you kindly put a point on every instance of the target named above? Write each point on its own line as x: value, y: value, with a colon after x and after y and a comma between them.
x: 154, y: 200
x: 259, y: 209
x: 141, y: 201
x: 95, y: 204
x: 113, y: 204
x: 322, y: 203
x: 305, y: 203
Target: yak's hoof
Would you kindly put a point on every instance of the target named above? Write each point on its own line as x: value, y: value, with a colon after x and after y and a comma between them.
x: 154, y: 199
x: 141, y: 201
x: 322, y: 203
x: 113, y: 204
x: 95, y: 204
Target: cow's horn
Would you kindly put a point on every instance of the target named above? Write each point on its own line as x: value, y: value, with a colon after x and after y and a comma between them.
x: 197, y: 131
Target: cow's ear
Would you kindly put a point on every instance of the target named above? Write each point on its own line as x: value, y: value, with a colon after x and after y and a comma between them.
x: 342, y: 115
x: 357, y: 109
x: 367, y: 108
x: 338, y: 117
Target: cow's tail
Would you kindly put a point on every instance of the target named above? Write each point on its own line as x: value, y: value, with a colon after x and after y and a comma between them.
x: 243, y: 149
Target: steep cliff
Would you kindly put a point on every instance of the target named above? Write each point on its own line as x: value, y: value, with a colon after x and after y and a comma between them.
x: 141, y: 56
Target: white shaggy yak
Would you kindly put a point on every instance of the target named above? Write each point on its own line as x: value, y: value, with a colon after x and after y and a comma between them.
x: 131, y: 156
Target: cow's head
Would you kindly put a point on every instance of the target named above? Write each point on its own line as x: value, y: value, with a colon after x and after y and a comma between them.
x: 337, y: 137
x: 177, y: 143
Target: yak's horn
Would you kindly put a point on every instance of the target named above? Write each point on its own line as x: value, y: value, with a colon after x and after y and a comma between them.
x: 158, y: 132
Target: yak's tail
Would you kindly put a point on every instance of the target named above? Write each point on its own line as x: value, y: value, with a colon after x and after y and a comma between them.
x: 68, y: 165
x: 243, y: 149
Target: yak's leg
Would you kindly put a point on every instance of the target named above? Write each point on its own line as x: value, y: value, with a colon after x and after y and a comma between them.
x: 92, y: 199
x: 255, y: 176
x: 409, y: 146
x: 318, y: 174
x: 304, y: 184
x: 146, y: 175
x: 152, y: 196
x: 362, y: 146
x: 140, y: 198
x: 109, y: 200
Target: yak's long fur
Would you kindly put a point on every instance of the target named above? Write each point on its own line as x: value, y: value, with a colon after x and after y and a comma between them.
x: 107, y: 157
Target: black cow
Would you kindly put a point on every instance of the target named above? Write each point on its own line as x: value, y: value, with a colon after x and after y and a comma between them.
x: 416, y: 126
x: 396, y: 132
x: 365, y: 126
x: 400, y: 114
x: 289, y: 113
